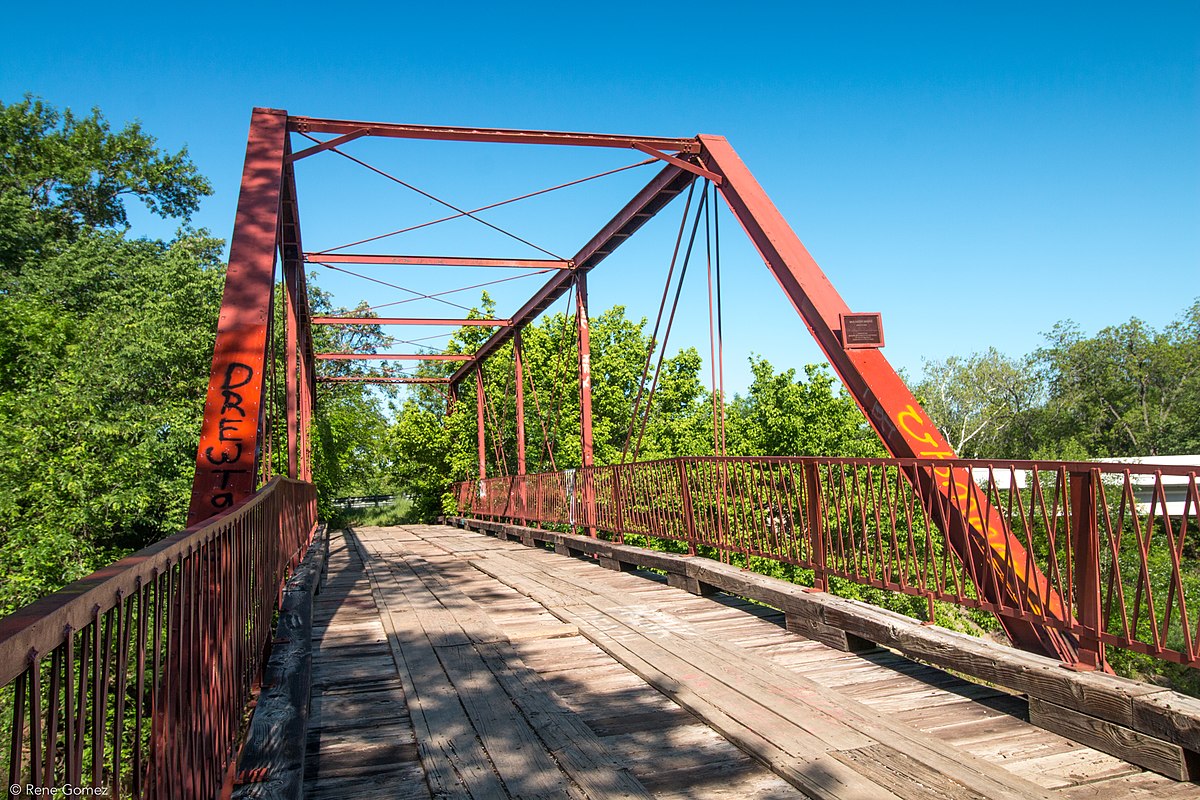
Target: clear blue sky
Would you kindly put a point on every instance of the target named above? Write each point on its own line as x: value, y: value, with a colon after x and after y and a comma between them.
x: 977, y: 172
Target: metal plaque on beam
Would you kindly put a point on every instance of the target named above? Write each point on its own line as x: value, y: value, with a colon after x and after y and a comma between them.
x: 861, y: 331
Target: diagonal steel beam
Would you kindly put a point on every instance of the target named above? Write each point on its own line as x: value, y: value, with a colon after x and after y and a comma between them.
x: 649, y: 201
x: 323, y: 146
x: 975, y: 530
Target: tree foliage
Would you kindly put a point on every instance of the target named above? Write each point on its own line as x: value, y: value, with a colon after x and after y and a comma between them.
x: 783, y: 415
x: 1129, y: 390
x: 780, y: 414
x: 977, y: 400
x: 104, y: 345
x: 76, y: 171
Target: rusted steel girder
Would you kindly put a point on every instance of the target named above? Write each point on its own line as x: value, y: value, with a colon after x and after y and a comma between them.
x: 352, y: 130
x: 227, y: 457
x: 481, y: 323
x: 393, y: 356
x: 298, y: 355
x: 586, y: 448
x: 976, y: 531
x: 479, y: 421
x: 519, y: 381
x: 436, y: 261
x: 378, y: 379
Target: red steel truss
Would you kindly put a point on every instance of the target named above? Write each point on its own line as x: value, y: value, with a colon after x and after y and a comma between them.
x: 267, y: 226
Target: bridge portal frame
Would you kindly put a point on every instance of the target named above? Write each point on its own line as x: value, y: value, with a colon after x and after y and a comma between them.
x: 267, y: 225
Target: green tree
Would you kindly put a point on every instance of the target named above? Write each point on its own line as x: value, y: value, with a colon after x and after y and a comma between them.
x: 104, y: 345
x: 351, y: 454
x: 1130, y: 390
x: 77, y: 171
x: 981, y: 402
x: 783, y: 415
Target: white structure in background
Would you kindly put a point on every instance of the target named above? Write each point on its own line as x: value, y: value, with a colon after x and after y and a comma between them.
x: 1175, y: 487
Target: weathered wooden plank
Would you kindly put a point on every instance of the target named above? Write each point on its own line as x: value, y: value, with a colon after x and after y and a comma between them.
x: 493, y: 685
x: 800, y: 760
x: 766, y: 683
x: 454, y: 761
x: 573, y: 743
x: 1101, y: 695
x: 524, y: 766
x: 1170, y: 716
x: 1140, y: 785
x: 907, y: 777
x: 404, y: 781
x: 1165, y: 758
x: 1005, y: 786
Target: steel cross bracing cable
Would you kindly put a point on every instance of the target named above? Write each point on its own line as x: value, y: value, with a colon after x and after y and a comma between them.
x: 555, y: 394
x: 670, y: 323
x: 487, y: 207
x: 657, y: 321
x: 712, y: 333
x: 549, y: 449
x: 437, y: 199
x: 419, y: 295
x: 436, y: 295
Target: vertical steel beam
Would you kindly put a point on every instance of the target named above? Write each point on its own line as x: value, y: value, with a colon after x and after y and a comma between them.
x: 585, y: 371
x: 291, y: 250
x: 226, y: 460
x: 977, y: 532
x: 519, y: 378
x: 291, y: 376
x: 479, y: 422
x: 586, y: 449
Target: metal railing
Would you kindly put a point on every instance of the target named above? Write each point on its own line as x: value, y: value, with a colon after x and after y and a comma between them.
x: 136, y: 679
x: 1110, y: 561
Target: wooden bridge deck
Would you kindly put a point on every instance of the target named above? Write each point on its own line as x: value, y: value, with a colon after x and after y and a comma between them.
x: 452, y: 664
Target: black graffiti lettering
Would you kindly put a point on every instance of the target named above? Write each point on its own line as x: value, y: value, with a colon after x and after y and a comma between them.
x: 232, y: 370
x: 225, y: 473
x: 225, y: 459
x: 229, y: 430
x: 232, y: 401
x: 227, y: 426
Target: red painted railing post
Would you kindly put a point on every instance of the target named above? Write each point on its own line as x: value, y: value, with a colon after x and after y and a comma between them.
x: 1085, y: 542
x: 618, y: 503
x: 689, y: 516
x: 815, y: 521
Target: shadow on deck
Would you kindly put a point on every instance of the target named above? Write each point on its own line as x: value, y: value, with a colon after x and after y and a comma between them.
x: 449, y: 663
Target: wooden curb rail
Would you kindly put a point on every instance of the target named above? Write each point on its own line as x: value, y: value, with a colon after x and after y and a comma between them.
x: 1155, y: 728
x: 271, y: 763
